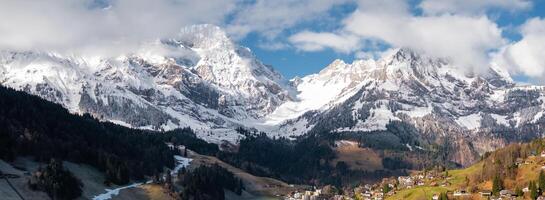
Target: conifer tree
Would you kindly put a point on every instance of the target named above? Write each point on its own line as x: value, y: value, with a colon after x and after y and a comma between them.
x: 519, y: 192
x: 497, y: 185
x: 386, y: 188
x: 533, y: 190
x: 541, y: 181
x: 443, y: 196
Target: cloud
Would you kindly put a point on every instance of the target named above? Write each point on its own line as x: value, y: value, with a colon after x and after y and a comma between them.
x: 270, y: 18
x: 118, y: 26
x: 466, y: 40
x: 472, y: 7
x: 313, y: 41
x: 85, y: 25
x: 526, y: 56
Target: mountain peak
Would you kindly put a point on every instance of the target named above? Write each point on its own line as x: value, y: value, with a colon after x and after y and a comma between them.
x: 204, y: 36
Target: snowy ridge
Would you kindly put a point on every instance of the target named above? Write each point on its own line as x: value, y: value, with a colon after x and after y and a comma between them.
x: 203, y: 80
x: 199, y: 79
x: 407, y: 86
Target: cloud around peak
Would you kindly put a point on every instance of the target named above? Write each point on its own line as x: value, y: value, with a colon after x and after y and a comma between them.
x: 88, y: 25
x: 464, y: 31
x: 458, y: 30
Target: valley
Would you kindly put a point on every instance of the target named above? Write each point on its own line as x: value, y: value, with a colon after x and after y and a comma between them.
x: 272, y: 100
x: 258, y: 133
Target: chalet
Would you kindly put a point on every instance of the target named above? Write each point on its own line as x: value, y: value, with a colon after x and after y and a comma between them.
x: 507, y: 193
x: 435, y: 197
x: 543, y: 154
x: 391, y: 185
x: 519, y: 161
x: 420, y: 183
x: 405, y: 181
x: 445, y: 184
x: 367, y: 194
x: 485, y: 193
x: 459, y: 193
x: 525, y: 190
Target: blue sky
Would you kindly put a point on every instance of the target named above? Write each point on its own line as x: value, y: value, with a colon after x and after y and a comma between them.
x: 291, y: 61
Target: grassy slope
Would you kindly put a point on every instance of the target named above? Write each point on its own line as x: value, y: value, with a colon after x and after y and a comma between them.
x: 526, y: 173
x: 456, y: 180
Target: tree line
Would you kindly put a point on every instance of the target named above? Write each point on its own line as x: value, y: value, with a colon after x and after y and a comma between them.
x: 32, y: 126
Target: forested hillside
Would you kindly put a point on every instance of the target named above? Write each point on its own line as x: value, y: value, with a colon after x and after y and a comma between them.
x: 35, y: 127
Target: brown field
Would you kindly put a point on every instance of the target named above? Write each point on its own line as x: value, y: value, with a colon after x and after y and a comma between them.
x: 147, y: 192
x: 254, y: 185
x: 356, y: 157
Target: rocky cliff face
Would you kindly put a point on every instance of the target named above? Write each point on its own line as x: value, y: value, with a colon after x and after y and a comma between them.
x: 204, y: 80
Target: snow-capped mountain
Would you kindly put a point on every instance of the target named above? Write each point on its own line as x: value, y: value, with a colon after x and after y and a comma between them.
x: 474, y: 113
x: 199, y: 79
x: 204, y: 80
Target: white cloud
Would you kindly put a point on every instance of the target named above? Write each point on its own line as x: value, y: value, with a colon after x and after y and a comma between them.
x: 526, y: 56
x: 270, y: 18
x: 120, y: 25
x: 466, y: 40
x: 76, y: 25
x: 312, y: 41
x: 434, y: 7
x: 366, y: 55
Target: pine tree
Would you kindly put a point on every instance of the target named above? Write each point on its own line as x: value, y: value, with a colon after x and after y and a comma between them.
x: 168, y: 177
x: 443, y: 196
x: 533, y: 190
x: 541, y: 181
x: 497, y: 185
x: 386, y: 188
x: 519, y: 192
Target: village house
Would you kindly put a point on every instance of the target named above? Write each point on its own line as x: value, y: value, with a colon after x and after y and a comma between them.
x: 459, y: 193
x: 420, y: 183
x: 445, y: 184
x: 405, y: 181
x: 519, y: 161
x: 507, y: 194
x: 485, y: 193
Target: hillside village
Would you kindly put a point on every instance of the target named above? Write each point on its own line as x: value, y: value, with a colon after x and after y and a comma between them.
x: 520, y: 175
